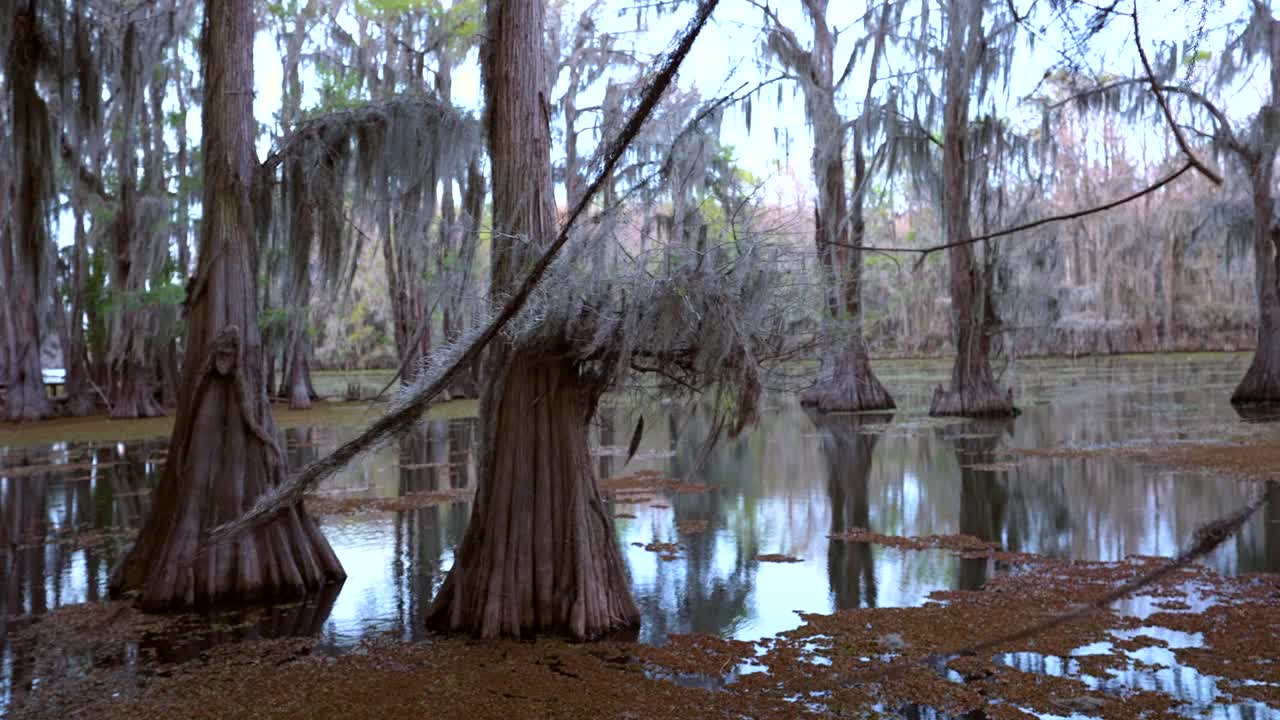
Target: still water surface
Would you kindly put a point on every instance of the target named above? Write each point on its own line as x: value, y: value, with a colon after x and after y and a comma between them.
x: 781, y: 487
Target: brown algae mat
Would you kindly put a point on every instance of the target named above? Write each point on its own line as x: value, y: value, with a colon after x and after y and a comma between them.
x: 1252, y: 454
x: 960, y: 543
x: 326, y: 504
x: 862, y: 662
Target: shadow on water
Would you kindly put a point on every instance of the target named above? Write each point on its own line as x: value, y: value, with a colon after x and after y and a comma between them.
x: 783, y: 488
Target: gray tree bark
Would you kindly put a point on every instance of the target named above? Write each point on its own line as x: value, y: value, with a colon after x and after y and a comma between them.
x: 25, y: 280
x: 540, y: 553
x: 973, y: 390
x: 1261, y: 382
x: 224, y: 452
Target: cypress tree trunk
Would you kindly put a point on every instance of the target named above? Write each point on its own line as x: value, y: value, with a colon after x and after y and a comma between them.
x: 295, y: 379
x: 81, y: 399
x: 1261, y: 382
x: 298, y: 384
x: 224, y: 452
x: 406, y: 292
x: 295, y: 382
x: 845, y: 380
x: 130, y: 383
x: 25, y: 283
x: 973, y: 390
x: 540, y: 553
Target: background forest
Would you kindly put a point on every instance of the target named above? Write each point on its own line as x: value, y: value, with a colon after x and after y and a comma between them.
x: 371, y: 203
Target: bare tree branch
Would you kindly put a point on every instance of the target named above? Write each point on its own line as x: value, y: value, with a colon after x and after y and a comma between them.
x: 925, y: 251
x: 1181, y: 139
x: 1225, y: 132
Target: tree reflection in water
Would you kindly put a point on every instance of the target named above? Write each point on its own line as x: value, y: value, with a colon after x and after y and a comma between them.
x: 848, y: 442
x: 983, y: 492
x: 708, y: 589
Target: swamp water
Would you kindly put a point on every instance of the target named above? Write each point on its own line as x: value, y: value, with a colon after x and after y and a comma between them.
x: 780, y: 489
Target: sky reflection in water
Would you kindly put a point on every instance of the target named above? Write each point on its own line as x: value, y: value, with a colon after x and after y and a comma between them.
x: 782, y: 487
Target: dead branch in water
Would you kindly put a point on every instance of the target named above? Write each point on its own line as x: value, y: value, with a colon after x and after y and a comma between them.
x: 1205, y: 540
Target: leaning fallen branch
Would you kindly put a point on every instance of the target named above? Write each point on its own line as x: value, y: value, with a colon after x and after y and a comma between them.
x: 405, y: 412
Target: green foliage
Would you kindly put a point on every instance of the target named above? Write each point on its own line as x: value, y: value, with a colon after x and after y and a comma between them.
x: 97, y: 300
x: 729, y: 159
x: 1197, y: 57
x: 273, y: 319
x: 339, y: 90
x: 276, y: 10
x: 383, y: 8
x: 164, y: 294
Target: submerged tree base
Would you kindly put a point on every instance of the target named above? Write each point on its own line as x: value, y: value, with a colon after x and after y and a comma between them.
x: 1261, y: 382
x: 540, y: 554
x: 973, y: 400
x: 846, y: 383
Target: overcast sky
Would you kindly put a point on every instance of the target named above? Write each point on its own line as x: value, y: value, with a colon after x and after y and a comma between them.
x: 727, y: 54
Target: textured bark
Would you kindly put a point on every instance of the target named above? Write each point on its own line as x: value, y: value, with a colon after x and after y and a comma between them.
x: 25, y: 397
x: 164, y: 346
x: 848, y: 452
x: 81, y: 397
x: 129, y: 386
x: 295, y: 381
x: 1261, y: 383
x: 224, y: 452
x: 407, y: 295
x: 845, y: 381
x: 540, y: 553
x: 295, y: 378
x: 973, y: 390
